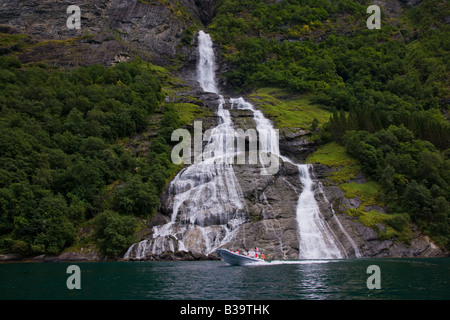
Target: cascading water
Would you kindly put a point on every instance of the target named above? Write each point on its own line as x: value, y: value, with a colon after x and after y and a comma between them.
x: 206, y: 75
x: 316, y: 239
x: 208, y: 205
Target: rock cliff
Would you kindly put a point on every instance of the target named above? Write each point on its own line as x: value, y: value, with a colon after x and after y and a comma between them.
x: 111, y: 30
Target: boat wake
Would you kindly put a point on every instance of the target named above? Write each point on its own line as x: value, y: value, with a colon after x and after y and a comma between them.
x: 287, y: 262
x: 281, y: 262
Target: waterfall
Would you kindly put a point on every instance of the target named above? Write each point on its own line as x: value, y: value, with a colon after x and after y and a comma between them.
x: 316, y: 239
x: 206, y: 75
x: 208, y: 206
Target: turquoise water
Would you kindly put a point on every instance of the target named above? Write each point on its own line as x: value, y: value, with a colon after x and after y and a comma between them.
x: 401, y: 279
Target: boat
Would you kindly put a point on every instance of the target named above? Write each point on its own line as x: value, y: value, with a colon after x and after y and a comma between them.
x: 236, y: 259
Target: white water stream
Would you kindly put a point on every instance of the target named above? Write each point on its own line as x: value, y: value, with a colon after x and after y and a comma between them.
x: 316, y: 239
x: 208, y: 205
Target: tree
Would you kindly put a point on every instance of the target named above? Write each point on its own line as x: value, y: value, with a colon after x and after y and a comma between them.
x: 114, y: 233
x: 83, y: 179
x: 75, y: 122
x: 59, y: 151
x: 136, y: 197
x: 418, y: 202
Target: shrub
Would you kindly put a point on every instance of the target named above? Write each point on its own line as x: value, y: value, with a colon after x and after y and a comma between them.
x: 114, y: 233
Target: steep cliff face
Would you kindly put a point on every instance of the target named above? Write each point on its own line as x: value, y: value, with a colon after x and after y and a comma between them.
x: 111, y: 30
x: 205, y: 9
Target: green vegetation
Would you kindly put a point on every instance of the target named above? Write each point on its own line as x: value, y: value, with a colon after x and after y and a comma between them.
x: 12, y: 41
x: 296, y: 63
x: 175, y: 7
x: 114, y: 232
x: 61, y: 163
x: 188, y: 111
x: 334, y: 155
x: 413, y: 173
x: 369, y: 192
x: 388, y: 226
x: 288, y: 111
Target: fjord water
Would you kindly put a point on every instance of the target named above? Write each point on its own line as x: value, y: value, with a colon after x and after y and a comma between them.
x: 401, y: 279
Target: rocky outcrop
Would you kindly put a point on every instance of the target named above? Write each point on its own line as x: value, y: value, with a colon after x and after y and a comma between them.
x: 271, y: 203
x: 177, y: 256
x: 296, y: 145
x: 64, y: 257
x: 205, y: 10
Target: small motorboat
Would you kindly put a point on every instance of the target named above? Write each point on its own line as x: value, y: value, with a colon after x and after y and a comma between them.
x: 236, y: 259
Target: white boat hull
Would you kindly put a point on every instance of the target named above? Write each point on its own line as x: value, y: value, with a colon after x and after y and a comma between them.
x: 236, y: 259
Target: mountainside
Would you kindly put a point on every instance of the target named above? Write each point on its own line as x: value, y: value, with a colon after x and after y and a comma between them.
x: 87, y: 117
x: 111, y: 31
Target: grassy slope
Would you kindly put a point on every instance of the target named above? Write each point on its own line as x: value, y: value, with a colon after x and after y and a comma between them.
x: 288, y: 111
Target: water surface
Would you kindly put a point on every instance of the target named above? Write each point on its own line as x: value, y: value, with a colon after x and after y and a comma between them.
x: 307, y: 280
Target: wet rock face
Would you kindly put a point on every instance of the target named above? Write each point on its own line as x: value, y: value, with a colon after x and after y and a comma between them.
x: 205, y: 9
x: 298, y: 147
x: 271, y: 203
